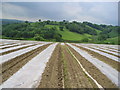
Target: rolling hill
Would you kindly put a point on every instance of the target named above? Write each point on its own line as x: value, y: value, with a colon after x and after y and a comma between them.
x: 63, y: 31
x: 10, y: 21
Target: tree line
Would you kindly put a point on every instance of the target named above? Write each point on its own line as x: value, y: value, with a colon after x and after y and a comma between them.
x: 39, y: 31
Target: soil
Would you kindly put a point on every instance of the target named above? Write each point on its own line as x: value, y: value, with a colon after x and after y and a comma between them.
x: 94, y: 72
x: 106, y: 60
x: 12, y: 66
x: 15, y: 50
x: 62, y: 71
x: 12, y: 46
x: 52, y: 76
x: 106, y: 52
x: 109, y: 49
x: 76, y: 78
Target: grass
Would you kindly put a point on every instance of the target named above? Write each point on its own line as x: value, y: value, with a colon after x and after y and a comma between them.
x: 113, y: 33
x: 75, y: 37
x: 65, y: 71
x: 114, y: 40
x: 51, y: 26
x: 67, y: 35
x: 98, y: 31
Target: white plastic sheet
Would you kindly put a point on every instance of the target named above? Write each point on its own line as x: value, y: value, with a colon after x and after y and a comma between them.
x: 110, y: 72
x: 102, y: 53
x: 102, y: 49
x: 9, y: 45
x: 12, y: 55
x: 30, y: 74
x: 13, y: 48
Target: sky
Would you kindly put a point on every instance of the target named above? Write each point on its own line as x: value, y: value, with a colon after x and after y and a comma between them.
x: 95, y: 12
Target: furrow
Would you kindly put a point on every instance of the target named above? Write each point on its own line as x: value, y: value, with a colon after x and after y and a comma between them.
x: 104, y: 68
x: 9, y: 50
x: 17, y: 63
x: 25, y: 78
x: 102, y: 53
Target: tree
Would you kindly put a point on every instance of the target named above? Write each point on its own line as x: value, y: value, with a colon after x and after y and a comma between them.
x: 61, y: 23
x: 58, y: 37
x: 84, y: 40
x: 64, y: 20
x: 61, y: 28
x: 39, y: 20
x: 26, y: 21
x: 38, y: 37
x: 48, y: 22
x: 73, y: 27
x: 103, y: 37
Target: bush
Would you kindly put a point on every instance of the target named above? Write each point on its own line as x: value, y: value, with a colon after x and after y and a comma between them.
x: 61, y: 28
x: 84, y: 40
x: 38, y: 38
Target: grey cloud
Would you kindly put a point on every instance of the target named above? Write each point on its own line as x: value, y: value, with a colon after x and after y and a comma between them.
x: 97, y: 12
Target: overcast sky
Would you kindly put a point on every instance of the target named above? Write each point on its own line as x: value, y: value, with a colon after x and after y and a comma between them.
x: 95, y: 12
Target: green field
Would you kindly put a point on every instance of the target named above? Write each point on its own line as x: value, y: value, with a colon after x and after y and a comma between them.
x: 114, y: 40
x: 68, y: 35
x: 63, y: 31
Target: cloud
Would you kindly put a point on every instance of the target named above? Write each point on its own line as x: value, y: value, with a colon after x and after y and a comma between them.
x: 71, y: 9
x: 107, y: 12
x: 12, y: 11
x: 102, y: 12
x: 61, y: 1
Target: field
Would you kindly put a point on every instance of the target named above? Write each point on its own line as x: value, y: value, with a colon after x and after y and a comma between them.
x: 37, y: 64
x: 67, y: 35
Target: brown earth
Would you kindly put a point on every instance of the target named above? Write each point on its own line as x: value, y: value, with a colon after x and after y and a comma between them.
x: 106, y: 52
x: 106, y: 60
x: 94, y: 72
x: 10, y: 46
x: 62, y: 71
x: 15, y: 50
x: 52, y: 76
x: 12, y: 66
x: 107, y: 49
x: 76, y: 78
x: 6, y: 44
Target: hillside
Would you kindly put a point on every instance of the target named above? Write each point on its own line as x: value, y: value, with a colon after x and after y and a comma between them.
x: 63, y: 31
x: 68, y: 35
x: 9, y: 21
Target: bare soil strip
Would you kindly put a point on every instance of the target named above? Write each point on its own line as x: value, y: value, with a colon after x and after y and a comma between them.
x: 30, y: 74
x: 111, y: 62
x: 101, y: 53
x: 12, y: 55
x: 83, y: 69
x: 52, y: 76
x: 94, y: 72
x: 112, y: 50
x: 15, y: 50
x: 76, y: 78
x: 6, y: 44
x: 105, y: 47
x: 62, y: 71
x: 12, y: 66
x: 113, y: 47
x: 5, y: 47
x: 106, y: 52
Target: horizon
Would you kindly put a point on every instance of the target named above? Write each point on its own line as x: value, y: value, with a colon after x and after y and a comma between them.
x: 58, y: 21
x: 94, y: 12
